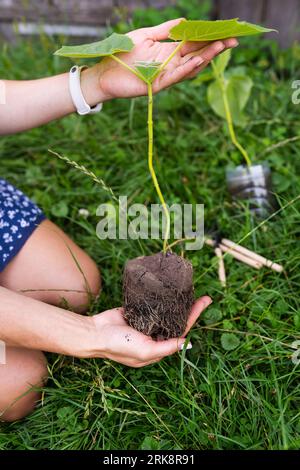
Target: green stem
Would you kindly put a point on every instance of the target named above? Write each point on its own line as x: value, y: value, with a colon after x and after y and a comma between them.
x: 168, y: 59
x: 150, y: 133
x: 135, y: 72
x: 221, y: 80
x: 151, y: 169
x: 150, y: 144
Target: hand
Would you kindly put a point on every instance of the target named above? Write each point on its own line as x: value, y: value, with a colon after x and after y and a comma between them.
x: 115, y: 339
x: 108, y: 79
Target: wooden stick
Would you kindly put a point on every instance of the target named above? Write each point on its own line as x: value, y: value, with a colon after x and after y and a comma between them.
x: 254, y: 256
x: 235, y: 254
x: 239, y: 256
x: 221, y: 266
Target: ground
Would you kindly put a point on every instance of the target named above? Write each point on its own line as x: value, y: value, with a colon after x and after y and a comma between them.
x: 210, y: 398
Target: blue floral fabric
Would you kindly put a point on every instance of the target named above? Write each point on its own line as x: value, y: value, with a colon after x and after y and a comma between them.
x: 19, y: 217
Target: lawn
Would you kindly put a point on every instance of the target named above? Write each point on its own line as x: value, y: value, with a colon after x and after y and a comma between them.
x: 208, y: 398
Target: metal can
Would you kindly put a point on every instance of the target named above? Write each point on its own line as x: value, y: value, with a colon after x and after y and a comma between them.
x: 253, y: 184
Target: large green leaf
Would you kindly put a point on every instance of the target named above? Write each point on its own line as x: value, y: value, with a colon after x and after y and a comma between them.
x: 238, y: 89
x: 201, y: 30
x: 109, y: 46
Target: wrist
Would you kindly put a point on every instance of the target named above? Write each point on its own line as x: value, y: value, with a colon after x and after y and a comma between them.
x: 92, y: 342
x: 81, y: 342
x: 91, y: 86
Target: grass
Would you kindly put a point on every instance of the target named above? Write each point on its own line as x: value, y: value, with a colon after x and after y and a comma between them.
x: 247, y: 398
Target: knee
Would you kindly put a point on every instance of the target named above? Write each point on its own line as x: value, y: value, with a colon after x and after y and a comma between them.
x: 23, y: 379
x: 21, y: 409
x: 85, y: 285
x: 79, y: 283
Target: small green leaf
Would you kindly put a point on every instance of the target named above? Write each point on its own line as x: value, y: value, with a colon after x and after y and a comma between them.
x: 60, y: 209
x: 144, y: 63
x: 281, y: 182
x: 203, y: 77
x: 65, y: 413
x: 33, y: 174
x: 147, y: 69
x: 228, y: 325
x: 149, y: 443
x: 229, y: 341
x: 211, y: 316
x: 238, y: 89
x: 112, y: 45
x: 222, y: 60
x: 200, y: 30
x: 297, y: 320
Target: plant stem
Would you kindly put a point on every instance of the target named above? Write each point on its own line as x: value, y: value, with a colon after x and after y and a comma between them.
x: 168, y: 59
x: 150, y: 144
x: 135, y: 72
x: 150, y: 132
x: 151, y: 169
x: 221, y: 80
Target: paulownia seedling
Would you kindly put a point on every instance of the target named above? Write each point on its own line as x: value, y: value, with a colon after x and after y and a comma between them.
x: 158, y: 289
x: 227, y: 94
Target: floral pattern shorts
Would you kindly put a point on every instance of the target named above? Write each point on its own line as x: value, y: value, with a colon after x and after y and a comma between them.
x: 19, y: 217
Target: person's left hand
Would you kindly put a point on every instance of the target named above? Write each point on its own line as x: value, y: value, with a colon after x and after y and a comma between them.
x: 109, y: 79
x: 113, y: 338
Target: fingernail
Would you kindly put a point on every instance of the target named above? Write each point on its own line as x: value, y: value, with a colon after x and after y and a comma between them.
x: 189, y: 346
x: 207, y: 301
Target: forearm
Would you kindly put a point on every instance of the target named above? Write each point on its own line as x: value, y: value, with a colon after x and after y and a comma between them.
x: 28, y: 323
x: 31, y: 103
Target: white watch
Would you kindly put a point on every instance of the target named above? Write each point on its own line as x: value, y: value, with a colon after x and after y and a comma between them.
x: 76, y: 93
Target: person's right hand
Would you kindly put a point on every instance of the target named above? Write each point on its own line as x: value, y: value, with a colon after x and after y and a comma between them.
x: 114, y: 339
x: 108, y: 79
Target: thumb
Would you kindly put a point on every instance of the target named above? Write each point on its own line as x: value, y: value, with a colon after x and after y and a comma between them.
x: 167, y: 347
x: 161, y: 31
x: 159, y: 349
x: 170, y: 346
x: 198, y: 307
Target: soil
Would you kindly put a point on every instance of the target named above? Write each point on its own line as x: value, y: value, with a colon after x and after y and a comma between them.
x: 158, y: 294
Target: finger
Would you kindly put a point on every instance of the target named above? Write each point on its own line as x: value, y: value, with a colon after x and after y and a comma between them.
x: 170, y: 77
x: 161, y: 31
x: 197, y: 70
x: 207, y: 52
x: 199, y: 306
x: 193, y: 46
x: 198, y: 45
x: 157, y: 350
x: 227, y: 44
x: 231, y: 42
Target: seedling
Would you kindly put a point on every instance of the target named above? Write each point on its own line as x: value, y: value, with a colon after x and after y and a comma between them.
x: 158, y: 289
x: 228, y: 93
